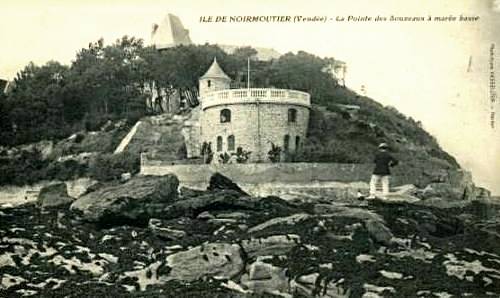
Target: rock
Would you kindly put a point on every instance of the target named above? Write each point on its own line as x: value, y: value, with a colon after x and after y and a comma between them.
x: 260, y: 270
x: 229, y: 199
x: 221, y: 182
x: 379, y: 232
x: 218, y: 260
x: 442, y: 203
x: 80, y: 186
x: 125, y: 177
x: 448, y: 191
x: 273, y: 245
x: 156, y: 226
x: 265, y: 278
x: 222, y: 221
x: 186, y: 192
x: 289, y: 220
x: 141, y: 197
x: 329, y: 210
x: 482, y: 193
x: 205, y: 215
x: 307, y: 284
x: 407, y: 189
x: 233, y: 215
x: 54, y: 195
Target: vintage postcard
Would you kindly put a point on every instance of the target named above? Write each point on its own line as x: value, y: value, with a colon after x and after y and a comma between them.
x: 169, y: 148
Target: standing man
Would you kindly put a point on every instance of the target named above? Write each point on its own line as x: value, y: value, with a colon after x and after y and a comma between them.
x: 383, y: 162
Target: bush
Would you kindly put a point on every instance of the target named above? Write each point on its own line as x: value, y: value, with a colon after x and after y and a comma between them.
x: 67, y: 170
x: 275, y: 153
x: 27, y: 167
x: 107, y: 167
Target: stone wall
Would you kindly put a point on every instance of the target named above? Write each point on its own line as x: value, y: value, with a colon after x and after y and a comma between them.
x: 254, y: 173
x: 255, y: 126
x: 289, y: 173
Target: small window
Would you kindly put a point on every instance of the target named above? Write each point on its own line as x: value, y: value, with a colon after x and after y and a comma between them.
x: 230, y: 143
x: 286, y: 142
x: 225, y: 116
x: 209, y: 83
x: 219, y: 144
x: 292, y: 115
x: 297, y: 143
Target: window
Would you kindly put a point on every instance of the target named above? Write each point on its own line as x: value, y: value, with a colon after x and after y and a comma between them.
x: 286, y: 142
x: 209, y: 83
x: 219, y: 144
x: 225, y: 116
x: 230, y: 143
x: 292, y: 115
x: 297, y: 143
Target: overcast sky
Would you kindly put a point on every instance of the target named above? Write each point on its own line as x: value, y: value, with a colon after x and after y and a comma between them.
x: 420, y: 68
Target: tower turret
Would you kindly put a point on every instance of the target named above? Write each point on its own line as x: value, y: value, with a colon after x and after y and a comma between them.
x: 213, y: 80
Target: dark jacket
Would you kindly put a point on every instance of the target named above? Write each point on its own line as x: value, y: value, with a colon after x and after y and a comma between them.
x: 383, y: 162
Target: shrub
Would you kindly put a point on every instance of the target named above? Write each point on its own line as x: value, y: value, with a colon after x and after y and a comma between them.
x: 242, y: 156
x: 107, y: 167
x: 66, y: 170
x: 275, y: 153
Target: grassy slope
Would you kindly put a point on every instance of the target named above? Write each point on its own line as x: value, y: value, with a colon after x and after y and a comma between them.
x: 335, y: 136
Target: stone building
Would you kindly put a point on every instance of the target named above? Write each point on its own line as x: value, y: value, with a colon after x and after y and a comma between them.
x: 250, y: 118
x: 169, y: 33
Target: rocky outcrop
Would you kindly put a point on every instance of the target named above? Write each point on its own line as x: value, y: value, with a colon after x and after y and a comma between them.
x: 225, y: 244
x: 274, y: 245
x: 54, y: 195
x: 159, y: 229
x: 309, y: 286
x: 265, y: 278
x: 288, y: 220
x: 220, y: 260
x: 193, y: 206
x: 221, y: 182
x: 139, y: 198
x: 379, y: 232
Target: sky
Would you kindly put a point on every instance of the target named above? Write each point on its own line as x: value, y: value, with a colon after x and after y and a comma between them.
x: 435, y: 72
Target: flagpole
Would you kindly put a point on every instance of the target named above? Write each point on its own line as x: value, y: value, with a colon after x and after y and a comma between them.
x: 248, y: 73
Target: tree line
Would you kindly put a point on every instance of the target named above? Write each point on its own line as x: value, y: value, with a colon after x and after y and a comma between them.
x: 106, y: 82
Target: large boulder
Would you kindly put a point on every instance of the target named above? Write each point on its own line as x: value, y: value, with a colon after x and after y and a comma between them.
x: 265, y: 278
x: 221, y: 182
x: 379, y: 232
x: 288, y: 220
x: 54, y: 195
x: 227, y: 199
x: 219, y: 260
x: 274, y: 245
x: 139, y: 198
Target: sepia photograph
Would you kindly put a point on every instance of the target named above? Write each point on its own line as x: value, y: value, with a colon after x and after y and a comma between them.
x: 285, y: 148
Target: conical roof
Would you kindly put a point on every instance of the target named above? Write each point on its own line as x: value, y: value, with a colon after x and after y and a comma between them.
x: 170, y: 33
x: 215, y: 71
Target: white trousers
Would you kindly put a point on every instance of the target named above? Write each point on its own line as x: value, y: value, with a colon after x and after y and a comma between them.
x: 376, y: 179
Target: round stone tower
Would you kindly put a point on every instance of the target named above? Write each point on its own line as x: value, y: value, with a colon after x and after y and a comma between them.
x: 252, y: 119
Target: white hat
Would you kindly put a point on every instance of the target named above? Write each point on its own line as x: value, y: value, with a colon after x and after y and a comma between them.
x: 383, y: 145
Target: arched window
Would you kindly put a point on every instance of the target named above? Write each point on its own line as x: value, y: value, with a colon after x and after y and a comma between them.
x: 292, y: 115
x: 219, y: 144
x: 286, y: 143
x: 230, y: 143
x: 297, y: 143
x: 209, y: 83
x: 225, y: 116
